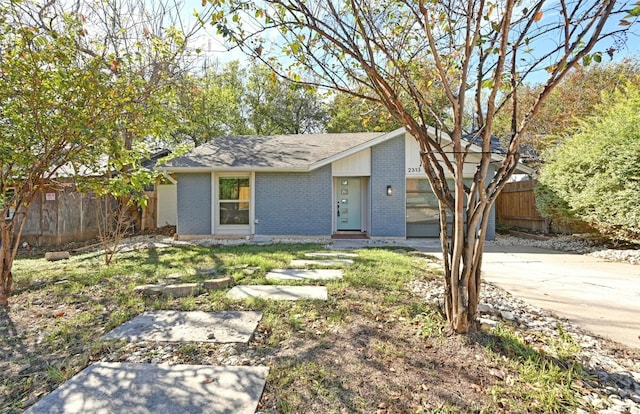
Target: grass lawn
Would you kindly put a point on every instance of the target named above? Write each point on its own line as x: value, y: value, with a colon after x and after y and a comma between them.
x: 374, y: 346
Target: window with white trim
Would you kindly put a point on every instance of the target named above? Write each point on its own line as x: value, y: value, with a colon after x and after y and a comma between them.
x: 234, y: 197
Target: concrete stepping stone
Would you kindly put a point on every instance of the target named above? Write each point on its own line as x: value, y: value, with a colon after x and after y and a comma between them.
x: 278, y: 292
x: 196, y: 326
x: 337, y: 255
x: 304, y: 274
x: 105, y: 388
x: 323, y: 263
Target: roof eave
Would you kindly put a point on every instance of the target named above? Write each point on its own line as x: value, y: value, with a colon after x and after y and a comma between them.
x: 296, y: 168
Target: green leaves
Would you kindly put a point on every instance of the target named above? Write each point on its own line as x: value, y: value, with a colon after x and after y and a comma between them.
x: 594, y: 174
x: 632, y: 15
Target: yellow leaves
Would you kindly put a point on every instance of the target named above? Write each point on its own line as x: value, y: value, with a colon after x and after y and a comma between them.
x: 204, y: 3
x: 538, y: 16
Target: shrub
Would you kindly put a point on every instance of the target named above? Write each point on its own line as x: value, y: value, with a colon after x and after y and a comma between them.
x: 594, y: 174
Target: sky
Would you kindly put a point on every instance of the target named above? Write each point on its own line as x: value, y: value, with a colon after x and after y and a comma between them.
x: 212, y: 48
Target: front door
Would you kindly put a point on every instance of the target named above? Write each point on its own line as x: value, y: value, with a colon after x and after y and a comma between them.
x: 349, y: 204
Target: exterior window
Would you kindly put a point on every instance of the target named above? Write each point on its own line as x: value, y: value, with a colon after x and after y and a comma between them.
x: 233, y: 200
x: 422, y: 204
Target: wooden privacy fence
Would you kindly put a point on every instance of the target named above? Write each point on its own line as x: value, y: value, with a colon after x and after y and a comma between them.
x: 60, y: 215
x: 516, y: 207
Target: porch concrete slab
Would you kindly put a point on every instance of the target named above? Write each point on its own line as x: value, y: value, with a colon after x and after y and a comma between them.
x: 337, y: 255
x: 196, y: 326
x: 105, y: 388
x: 304, y: 274
x: 278, y: 292
x: 322, y: 263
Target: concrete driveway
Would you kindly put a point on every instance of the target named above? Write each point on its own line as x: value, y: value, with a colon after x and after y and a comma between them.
x: 602, y: 297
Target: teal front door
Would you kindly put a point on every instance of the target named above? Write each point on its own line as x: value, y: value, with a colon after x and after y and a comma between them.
x: 349, y: 204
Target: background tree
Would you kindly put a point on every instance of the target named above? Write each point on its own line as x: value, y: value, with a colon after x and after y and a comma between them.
x: 146, y: 48
x: 594, y: 173
x: 58, y: 108
x: 232, y: 99
x: 573, y: 100
x: 387, y: 50
x: 211, y: 104
x: 277, y: 106
x: 73, y: 94
x: 349, y: 113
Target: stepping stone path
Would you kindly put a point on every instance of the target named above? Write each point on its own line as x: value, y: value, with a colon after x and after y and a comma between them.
x: 277, y: 292
x: 304, y: 274
x: 337, y: 255
x: 322, y: 263
x: 105, y: 387
x: 196, y: 326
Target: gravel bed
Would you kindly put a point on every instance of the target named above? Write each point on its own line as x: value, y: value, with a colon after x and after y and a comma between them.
x: 614, y: 386
x: 573, y: 243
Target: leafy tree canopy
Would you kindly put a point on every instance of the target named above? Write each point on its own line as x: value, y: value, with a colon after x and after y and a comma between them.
x: 233, y: 99
x: 576, y: 98
x: 70, y: 104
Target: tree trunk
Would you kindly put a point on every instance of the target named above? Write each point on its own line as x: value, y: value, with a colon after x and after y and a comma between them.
x: 6, y: 278
x: 462, y: 256
x: 8, y: 251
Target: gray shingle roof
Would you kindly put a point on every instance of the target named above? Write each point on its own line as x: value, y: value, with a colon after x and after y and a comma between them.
x: 276, y: 151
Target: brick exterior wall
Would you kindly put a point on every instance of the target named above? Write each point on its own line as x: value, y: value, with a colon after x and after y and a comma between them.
x: 294, y: 204
x: 194, y: 204
x: 388, y: 213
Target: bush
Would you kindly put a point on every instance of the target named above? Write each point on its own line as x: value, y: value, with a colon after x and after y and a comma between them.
x: 594, y: 174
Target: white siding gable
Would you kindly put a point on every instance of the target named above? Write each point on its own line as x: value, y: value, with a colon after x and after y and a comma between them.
x: 355, y: 165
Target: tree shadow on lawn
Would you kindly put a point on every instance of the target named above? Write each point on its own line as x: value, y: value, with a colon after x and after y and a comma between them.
x: 376, y: 362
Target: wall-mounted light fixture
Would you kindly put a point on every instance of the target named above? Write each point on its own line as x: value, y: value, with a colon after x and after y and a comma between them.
x: 389, y: 191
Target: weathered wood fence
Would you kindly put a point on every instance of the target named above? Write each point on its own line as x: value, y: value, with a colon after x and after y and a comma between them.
x: 60, y: 215
x: 516, y: 207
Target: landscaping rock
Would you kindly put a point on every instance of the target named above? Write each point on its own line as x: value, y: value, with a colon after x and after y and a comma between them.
x: 171, y: 279
x: 336, y: 255
x: 207, y: 272
x: 323, y: 263
x: 614, y: 386
x: 181, y: 290
x: 217, y: 284
x: 54, y: 256
x: 148, y: 290
x: 250, y: 271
